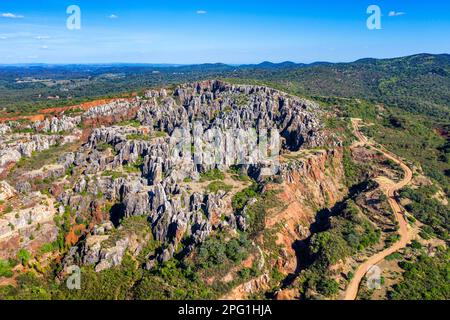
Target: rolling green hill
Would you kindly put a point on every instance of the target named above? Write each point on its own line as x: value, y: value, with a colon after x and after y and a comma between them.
x: 419, y: 83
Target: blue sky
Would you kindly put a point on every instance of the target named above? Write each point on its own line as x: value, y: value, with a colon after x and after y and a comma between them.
x: 232, y: 31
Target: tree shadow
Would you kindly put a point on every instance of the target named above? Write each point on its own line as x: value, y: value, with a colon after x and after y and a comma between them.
x: 116, y: 214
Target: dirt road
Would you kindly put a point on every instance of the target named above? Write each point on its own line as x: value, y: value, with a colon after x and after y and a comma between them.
x: 389, y: 188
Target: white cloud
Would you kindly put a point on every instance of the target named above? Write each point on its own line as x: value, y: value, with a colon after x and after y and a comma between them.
x: 3, y: 38
x: 10, y: 15
x: 113, y: 16
x: 42, y: 37
x: 396, y: 14
x: 202, y: 12
x: 44, y: 47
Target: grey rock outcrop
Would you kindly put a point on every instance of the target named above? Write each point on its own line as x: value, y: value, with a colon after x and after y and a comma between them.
x: 154, y: 187
x: 55, y: 125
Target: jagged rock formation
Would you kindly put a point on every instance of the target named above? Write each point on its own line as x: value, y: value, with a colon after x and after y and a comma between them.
x: 57, y: 124
x: 4, y: 128
x: 6, y: 191
x: 28, y: 227
x: 17, y: 145
x: 158, y: 151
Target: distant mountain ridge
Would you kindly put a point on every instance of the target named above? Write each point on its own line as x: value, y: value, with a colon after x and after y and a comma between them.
x: 418, y: 83
x: 264, y: 64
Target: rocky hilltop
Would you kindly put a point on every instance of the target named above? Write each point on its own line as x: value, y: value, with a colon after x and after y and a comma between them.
x: 138, y: 134
x: 177, y: 158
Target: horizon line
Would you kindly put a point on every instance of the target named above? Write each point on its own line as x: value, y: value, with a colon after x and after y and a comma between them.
x: 174, y: 65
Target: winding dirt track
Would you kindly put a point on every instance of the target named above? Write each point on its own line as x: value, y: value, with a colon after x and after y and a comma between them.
x: 389, y: 188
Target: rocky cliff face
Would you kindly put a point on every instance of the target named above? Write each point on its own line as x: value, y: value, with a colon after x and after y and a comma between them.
x: 312, y: 180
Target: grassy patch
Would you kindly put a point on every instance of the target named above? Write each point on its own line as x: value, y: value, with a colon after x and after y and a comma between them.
x: 256, y: 213
x: 113, y: 174
x: 241, y: 198
x: 394, y: 256
x: 132, y: 123
x: 103, y: 146
x: 211, y: 175
x: 5, y: 269
x: 217, y: 186
x: 138, y: 136
x: 42, y: 158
